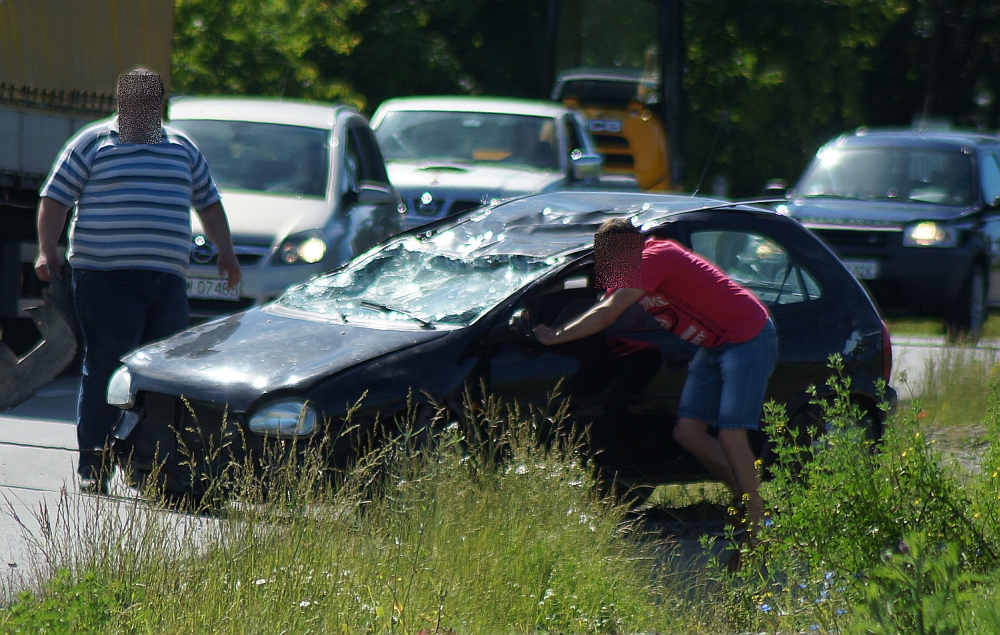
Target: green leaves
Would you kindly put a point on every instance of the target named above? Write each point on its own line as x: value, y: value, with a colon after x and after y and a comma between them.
x: 263, y: 47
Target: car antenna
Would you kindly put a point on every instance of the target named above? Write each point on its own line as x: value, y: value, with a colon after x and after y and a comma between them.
x: 722, y: 116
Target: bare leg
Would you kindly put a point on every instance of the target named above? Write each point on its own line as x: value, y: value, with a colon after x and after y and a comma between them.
x: 692, y: 435
x: 740, y: 459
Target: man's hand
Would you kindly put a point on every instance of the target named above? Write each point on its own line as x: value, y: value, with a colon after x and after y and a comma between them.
x: 599, y: 317
x: 44, y: 264
x: 229, y: 267
x: 51, y: 219
x: 545, y: 335
x: 216, y: 226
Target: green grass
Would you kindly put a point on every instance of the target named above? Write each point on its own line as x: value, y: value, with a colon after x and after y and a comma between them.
x: 933, y: 327
x: 443, y: 539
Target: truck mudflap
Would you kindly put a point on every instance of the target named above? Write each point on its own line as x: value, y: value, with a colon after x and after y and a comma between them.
x: 22, y: 377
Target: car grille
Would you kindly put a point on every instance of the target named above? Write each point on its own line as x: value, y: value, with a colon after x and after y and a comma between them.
x: 610, y: 142
x: 246, y: 255
x: 855, y: 237
x: 619, y: 161
x: 440, y: 208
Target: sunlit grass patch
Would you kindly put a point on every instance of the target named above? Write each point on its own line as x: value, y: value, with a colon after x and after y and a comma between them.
x: 935, y: 327
x: 444, y: 535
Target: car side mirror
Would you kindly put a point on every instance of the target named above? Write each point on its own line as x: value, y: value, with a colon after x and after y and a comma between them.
x: 586, y: 166
x: 517, y: 329
x: 376, y: 194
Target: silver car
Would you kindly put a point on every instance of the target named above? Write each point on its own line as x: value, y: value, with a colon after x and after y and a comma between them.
x: 304, y: 186
x: 446, y: 155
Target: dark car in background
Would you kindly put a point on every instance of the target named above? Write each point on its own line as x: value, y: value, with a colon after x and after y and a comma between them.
x: 434, y: 312
x: 914, y: 214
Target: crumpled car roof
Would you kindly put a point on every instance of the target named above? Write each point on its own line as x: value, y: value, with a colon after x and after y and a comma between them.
x: 555, y: 224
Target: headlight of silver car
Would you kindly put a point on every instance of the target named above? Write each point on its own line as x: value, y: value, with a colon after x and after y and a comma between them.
x: 304, y: 248
x: 120, y: 389
x: 929, y: 234
x: 285, y: 419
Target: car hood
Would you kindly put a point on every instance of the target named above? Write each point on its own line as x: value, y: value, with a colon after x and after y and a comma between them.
x: 854, y: 212
x: 260, y: 219
x: 238, y: 358
x: 470, y: 182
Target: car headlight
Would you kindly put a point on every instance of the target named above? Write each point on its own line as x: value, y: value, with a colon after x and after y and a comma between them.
x: 120, y: 389
x: 285, y: 419
x: 929, y: 234
x: 302, y: 249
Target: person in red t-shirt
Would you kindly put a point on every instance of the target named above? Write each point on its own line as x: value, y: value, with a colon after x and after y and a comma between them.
x: 738, y: 347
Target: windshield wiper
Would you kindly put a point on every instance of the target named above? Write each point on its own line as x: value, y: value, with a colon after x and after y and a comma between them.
x: 388, y: 309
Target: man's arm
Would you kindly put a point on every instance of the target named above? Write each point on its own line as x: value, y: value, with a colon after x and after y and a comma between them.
x: 596, y: 319
x: 213, y: 219
x: 51, y: 220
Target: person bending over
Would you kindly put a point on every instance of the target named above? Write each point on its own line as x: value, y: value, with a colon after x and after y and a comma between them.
x: 738, y: 346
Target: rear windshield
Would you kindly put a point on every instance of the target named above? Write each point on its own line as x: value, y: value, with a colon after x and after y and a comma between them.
x: 521, y: 141
x: 262, y: 157
x: 925, y: 175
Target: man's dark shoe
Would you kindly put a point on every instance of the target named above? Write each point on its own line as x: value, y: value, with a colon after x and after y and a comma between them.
x: 97, y: 483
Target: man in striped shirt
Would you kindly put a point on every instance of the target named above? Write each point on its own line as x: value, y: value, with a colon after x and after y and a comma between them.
x: 133, y: 184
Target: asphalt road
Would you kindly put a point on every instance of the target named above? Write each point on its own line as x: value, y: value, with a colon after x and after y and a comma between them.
x: 38, y: 441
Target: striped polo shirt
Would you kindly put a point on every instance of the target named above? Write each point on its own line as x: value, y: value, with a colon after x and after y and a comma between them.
x: 133, y: 201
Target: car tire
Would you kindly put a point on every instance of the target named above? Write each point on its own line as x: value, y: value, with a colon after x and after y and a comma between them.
x: 966, y: 321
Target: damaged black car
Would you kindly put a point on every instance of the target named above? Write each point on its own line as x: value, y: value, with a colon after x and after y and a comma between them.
x: 448, y: 308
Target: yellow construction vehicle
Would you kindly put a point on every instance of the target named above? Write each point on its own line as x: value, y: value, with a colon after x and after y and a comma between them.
x: 620, y: 63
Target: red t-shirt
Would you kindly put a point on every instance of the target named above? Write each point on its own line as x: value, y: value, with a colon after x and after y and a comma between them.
x: 693, y: 299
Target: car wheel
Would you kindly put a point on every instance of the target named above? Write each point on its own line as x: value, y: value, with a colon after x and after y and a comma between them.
x: 966, y: 322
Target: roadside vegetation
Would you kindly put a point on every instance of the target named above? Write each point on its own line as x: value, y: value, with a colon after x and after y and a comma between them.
x: 452, y: 537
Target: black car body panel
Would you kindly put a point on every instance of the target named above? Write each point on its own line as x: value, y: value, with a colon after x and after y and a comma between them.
x: 623, y: 383
x: 955, y: 273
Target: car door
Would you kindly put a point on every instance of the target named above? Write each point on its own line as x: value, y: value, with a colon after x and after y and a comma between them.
x: 368, y: 203
x: 625, y: 382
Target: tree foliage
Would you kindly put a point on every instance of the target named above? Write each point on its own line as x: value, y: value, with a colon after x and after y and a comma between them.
x: 766, y: 81
x: 263, y: 47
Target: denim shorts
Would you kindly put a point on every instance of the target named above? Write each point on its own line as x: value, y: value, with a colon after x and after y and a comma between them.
x: 725, y: 385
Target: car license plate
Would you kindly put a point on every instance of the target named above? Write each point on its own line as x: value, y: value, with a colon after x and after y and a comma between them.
x: 212, y: 289
x: 862, y: 269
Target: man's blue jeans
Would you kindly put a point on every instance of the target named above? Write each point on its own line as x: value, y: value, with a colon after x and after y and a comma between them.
x: 117, y: 310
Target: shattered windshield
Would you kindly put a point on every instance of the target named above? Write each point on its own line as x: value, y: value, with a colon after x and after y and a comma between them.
x: 520, y: 141
x: 416, y: 281
x: 941, y: 176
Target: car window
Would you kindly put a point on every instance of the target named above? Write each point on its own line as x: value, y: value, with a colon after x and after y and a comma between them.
x: 991, y: 177
x: 262, y: 157
x: 941, y: 176
x: 372, y: 163
x: 353, y: 172
x: 523, y: 141
x: 757, y: 263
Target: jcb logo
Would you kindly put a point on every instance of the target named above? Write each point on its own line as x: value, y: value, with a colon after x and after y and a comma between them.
x: 604, y: 125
